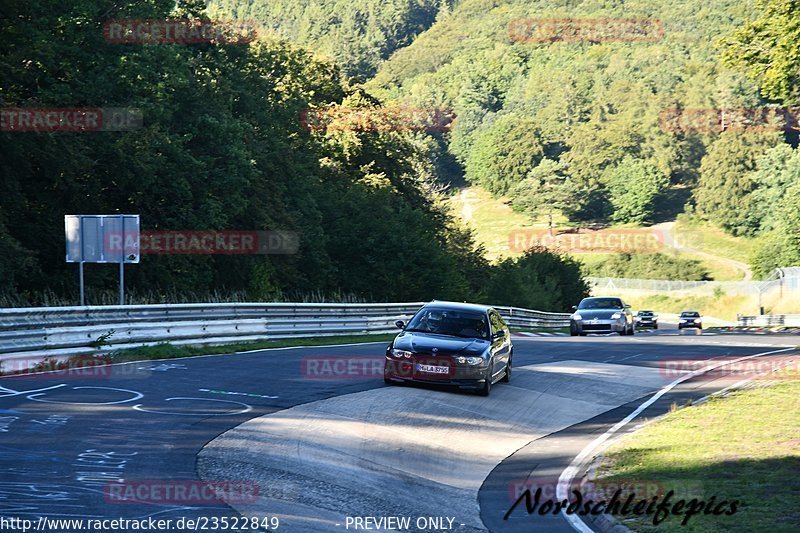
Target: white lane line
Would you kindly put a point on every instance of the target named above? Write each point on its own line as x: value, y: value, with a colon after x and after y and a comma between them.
x: 136, y: 396
x: 20, y: 393
x: 572, y: 470
x: 247, y: 407
x: 630, y: 357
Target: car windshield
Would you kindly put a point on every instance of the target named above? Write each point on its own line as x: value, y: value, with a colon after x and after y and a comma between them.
x: 690, y: 314
x: 601, y: 303
x: 645, y: 313
x: 450, y: 322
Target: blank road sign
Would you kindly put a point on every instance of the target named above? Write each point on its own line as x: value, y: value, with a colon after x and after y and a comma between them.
x: 102, y: 238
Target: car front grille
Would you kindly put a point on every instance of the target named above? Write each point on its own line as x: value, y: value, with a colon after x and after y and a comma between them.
x: 597, y: 327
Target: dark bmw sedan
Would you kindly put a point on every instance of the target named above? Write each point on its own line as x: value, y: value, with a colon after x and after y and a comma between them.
x: 602, y: 315
x: 449, y: 343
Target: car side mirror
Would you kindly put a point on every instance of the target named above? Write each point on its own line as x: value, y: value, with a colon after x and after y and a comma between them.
x: 574, y: 308
x: 400, y: 324
x: 627, y: 306
x: 498, y: 334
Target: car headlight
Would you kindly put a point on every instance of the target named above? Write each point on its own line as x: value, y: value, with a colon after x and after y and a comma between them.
x: 470, y: 360
x: 401, y: 353
x: 683, y: 320
x: 616, y: 316
x: 577, y: 316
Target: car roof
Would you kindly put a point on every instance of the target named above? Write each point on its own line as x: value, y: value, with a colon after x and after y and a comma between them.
x: 645, y: 311
x: 459, y: 306
x: 693, y: 312
x: 602, y: 298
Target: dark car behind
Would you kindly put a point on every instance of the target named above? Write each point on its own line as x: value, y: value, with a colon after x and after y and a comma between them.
x: 465, y: 345
x: 690, y: 319
x: 646, y: 319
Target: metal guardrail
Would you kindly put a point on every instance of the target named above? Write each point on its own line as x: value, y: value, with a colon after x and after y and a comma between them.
x: 517, y: 317
x: 769, y: 320
x: 30, y: 334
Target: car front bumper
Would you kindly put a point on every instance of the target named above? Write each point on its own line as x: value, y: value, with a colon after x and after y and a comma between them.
x: 460, y: 375
x: 598, y: 326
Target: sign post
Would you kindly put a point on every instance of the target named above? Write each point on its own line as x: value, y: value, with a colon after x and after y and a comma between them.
x: 102, y: 239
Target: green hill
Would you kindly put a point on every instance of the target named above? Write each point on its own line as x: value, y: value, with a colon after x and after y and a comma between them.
x: 586, y: 125
x: 358, y: 34
x: 588, y: 105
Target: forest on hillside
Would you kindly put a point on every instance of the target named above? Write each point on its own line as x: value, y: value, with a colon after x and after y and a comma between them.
x: 609, y: 131
x: 592, y: 127
x: 222, y: 147
x: 357, y: 34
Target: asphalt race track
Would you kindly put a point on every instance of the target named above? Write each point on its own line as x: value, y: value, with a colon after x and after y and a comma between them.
x: 321, y: 438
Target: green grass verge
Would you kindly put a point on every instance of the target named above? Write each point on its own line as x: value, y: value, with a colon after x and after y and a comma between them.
x: 743, y: 447
x: 720, y: 306
x: 493, y: 222
x: 491, y: 219
x: 708, y: 238
x: 718, y: 270
x: 171, y: 351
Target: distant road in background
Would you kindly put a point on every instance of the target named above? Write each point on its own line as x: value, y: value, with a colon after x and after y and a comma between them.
x: 669, y: 227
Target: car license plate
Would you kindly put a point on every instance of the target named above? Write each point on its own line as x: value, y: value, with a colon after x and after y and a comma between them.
x: 431, y: 369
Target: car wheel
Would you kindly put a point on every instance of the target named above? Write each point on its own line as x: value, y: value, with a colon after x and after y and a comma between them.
x: 632, y: 332
x: 573, y: 333
x: 583, y: 334
x: 487, y: 384
x: 507, y: 377
x: 655, y: 327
